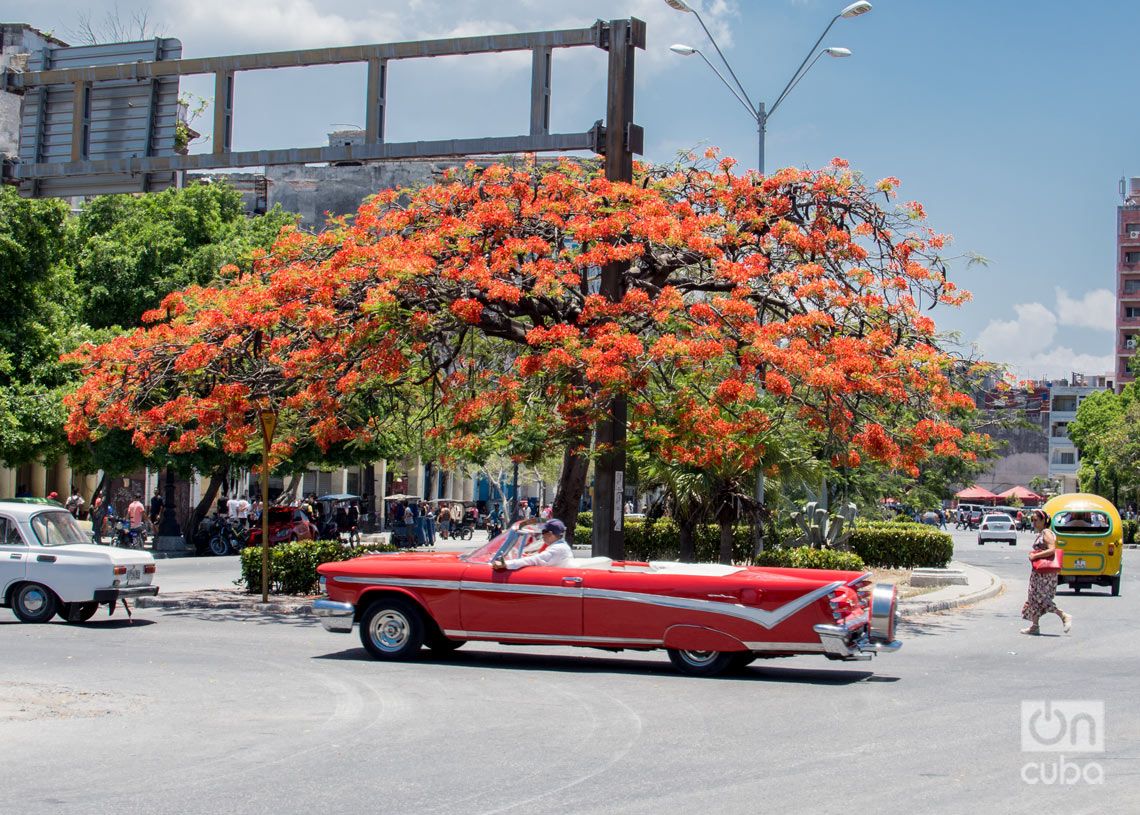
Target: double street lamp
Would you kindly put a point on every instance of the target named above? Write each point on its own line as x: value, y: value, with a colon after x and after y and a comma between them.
x: 759, y: 112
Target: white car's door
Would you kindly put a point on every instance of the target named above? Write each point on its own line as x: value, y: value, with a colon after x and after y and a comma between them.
x: 13, y: 554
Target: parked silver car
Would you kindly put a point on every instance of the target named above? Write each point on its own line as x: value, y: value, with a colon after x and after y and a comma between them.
x: 997, y: 526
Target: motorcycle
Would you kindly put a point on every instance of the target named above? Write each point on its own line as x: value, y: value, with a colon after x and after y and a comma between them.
x: 129, y: 538
x: 220, y: 536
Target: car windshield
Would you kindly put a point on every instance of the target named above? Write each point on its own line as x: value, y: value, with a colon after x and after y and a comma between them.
x: 997, y: 519
x: 57, y: 529
x: 513, y: 542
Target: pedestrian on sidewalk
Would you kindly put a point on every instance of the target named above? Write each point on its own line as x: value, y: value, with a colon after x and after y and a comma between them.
x: 1042, y: 585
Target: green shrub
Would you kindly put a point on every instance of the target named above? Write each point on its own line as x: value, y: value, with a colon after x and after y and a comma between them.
x: 661, y: 540
x: 804, y: 557
x: 1129, y: 528
x: 901, y: 546
x: 293, y: 566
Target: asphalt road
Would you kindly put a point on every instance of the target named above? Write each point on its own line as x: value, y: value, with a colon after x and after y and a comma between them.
x: 198, y: 711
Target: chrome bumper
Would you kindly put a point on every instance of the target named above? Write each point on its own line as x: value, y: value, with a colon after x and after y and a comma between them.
x: 852, y: 642
x: 334, y: 616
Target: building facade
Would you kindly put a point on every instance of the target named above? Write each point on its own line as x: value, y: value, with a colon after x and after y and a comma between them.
x: 1127, y: 281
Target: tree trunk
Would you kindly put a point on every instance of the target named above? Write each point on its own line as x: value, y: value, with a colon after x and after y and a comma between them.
x: 725, y: 540
x: 97, y: 515
x: 571, y: 483
x: 217, y: 477
x: 685, y: 532
x: 290, y: 492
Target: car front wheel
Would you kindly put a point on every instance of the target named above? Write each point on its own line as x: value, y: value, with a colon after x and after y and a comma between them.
x: 392, y: 629
x: 34, y: 603
x: 701, y: 663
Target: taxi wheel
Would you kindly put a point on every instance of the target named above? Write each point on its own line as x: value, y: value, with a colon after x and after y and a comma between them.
x: 392, y: 629
x: 700, y: 663
x: 34, y: 603
x: 1115, y: 586
x: 82, y: 611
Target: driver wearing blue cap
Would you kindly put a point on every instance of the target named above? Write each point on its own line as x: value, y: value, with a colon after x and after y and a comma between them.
x: 555, y: 550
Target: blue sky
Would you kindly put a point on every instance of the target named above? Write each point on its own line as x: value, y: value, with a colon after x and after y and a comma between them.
x: 1011, y: 121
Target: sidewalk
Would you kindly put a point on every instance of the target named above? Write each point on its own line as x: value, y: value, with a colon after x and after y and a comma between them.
x: 981, y: 585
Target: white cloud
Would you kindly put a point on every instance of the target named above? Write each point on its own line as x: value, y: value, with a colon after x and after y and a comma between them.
x: 1097, y: 309
x: 1014, y: 340
x: 1026, y: 344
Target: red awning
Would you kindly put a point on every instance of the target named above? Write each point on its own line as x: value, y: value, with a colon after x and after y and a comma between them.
x: 975, y: 493
x: 1023, y: 494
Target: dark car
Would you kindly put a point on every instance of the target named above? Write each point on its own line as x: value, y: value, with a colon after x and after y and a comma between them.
x: 285, y: 524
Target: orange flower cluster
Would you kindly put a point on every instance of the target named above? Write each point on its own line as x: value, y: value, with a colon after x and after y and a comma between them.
x: 749, y: 302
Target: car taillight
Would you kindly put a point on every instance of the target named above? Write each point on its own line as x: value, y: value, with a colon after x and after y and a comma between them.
x: 863, y: 587
x: 149, y: 569
x: 119, y: 570
x: 984, y: 526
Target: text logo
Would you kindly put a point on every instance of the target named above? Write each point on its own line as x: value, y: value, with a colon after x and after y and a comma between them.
x: 1062, y: 726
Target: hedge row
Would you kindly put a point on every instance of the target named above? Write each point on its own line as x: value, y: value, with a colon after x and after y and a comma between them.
x: 293, y: 566
x: 660, y: 540
x: 901, y: 546
x: 897, y: 544
x: 804, y: 557
x: 1130, y: 531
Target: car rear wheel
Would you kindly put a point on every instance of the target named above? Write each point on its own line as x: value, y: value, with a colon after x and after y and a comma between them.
x: 742, y: 659
x: 81, y: 612
x: 392, y: 629
x: 1114, y: 585
x: 701, y: 663
x: 34, y: 603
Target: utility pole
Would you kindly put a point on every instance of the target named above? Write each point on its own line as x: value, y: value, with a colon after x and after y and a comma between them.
x: 623, y: 138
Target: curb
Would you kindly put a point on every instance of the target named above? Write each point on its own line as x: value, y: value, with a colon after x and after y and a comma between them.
x: 914, y: 609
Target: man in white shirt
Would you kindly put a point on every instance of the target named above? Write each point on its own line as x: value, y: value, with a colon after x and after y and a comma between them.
x: 232, y: 506
x: 555, y: 550
x: 243, y: 508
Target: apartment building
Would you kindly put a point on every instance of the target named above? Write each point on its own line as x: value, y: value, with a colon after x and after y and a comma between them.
x: 1127, y: 281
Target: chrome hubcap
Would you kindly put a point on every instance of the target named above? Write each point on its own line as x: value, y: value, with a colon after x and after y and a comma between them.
x: 34, y: 601
x: 699, y: 657
x: 389, y: 630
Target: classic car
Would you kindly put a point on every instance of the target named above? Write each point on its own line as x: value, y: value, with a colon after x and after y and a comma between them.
x: 285, y: 524
x: 48, y: 566
x: 708, y: 617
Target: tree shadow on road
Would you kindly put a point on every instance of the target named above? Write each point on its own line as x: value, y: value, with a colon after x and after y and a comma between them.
x: 245, y: 614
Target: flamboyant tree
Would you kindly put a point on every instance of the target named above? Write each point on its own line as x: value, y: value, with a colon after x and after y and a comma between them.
x: 751, y: 305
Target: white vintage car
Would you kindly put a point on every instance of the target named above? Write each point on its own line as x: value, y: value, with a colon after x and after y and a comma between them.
x: 48, y: 565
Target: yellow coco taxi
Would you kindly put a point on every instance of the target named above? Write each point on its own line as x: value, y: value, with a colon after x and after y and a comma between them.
x: 1089, y: 532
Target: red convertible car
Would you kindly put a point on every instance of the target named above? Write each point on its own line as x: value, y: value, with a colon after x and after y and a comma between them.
x: 708, y: 617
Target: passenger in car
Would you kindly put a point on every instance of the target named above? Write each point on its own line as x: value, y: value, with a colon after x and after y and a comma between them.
x: 555, y: 550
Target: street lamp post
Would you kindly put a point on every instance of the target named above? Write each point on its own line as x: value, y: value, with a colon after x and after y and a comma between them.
x: 758, y: 111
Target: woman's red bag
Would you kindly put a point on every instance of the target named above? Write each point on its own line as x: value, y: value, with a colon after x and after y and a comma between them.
x: 1048, y: 565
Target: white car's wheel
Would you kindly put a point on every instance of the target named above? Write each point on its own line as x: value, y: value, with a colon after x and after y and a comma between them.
x: 34, y: 603
x: 82, y: 612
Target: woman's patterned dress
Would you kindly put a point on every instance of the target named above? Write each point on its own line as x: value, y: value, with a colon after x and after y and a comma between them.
x: 1042, y: 588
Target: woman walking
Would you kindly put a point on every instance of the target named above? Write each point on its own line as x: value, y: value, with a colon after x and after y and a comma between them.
x: 1042, y: 585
